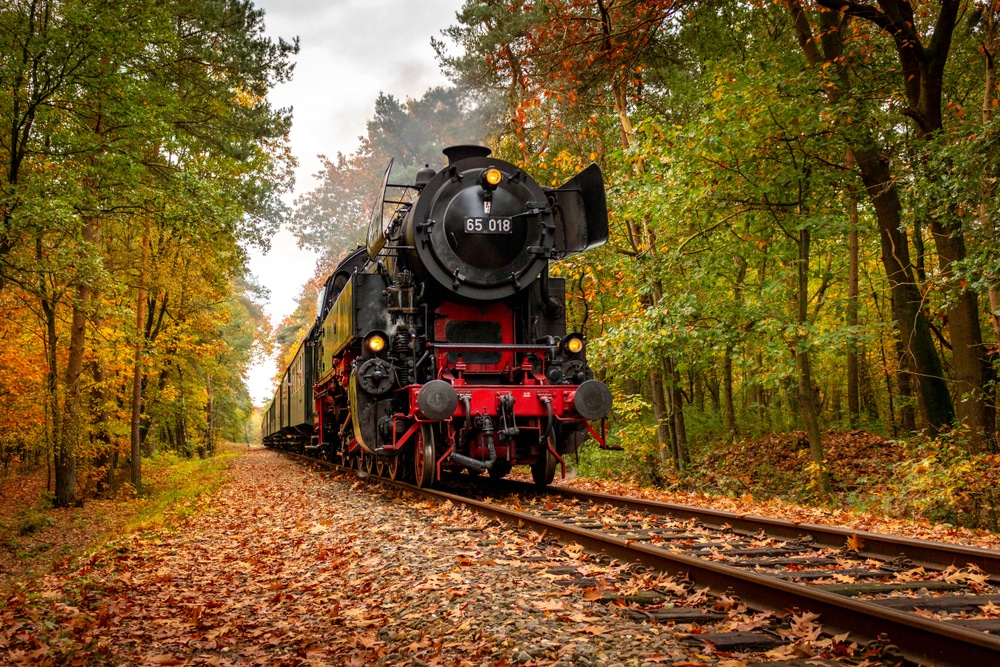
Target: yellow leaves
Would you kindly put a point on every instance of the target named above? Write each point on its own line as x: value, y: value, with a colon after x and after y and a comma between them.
x: 990, y: 609
x: 802, y: 627
x: 854, y: 543
x: 971, y: 576
x: 915, y: 574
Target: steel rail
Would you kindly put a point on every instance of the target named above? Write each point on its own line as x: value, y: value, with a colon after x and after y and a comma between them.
x: 924, y: 553
x: 919, y: 639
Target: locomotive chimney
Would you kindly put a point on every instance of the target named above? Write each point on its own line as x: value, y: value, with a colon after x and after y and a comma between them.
x: 464, y: 151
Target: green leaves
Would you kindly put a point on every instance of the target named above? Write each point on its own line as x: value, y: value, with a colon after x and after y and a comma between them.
x: 144, y: 159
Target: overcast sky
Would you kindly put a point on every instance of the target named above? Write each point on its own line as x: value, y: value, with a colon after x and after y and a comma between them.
x: 350, y: 50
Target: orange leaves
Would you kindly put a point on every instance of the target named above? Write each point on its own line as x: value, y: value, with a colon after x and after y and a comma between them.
x: 761, y: 620
x: 22, y: 370
x: 549, y: 605
x: 595, y: 630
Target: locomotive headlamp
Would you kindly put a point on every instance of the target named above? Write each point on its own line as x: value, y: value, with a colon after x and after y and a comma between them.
x: 573, y: 344
x: 491, y: 179
x: 375, y: 342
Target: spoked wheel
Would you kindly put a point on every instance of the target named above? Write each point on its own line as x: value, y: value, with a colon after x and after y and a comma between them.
x: 543, y: 471
x: 500, y: 468
x: 380, y: 465
x: 368, y: 461
x: 394, y: 469
x: 423, y: 457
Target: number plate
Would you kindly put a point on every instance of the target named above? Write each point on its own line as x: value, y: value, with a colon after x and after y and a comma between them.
x: 488, y: 225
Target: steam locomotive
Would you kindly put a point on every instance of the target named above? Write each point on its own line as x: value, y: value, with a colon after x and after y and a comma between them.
x: 441, y: 345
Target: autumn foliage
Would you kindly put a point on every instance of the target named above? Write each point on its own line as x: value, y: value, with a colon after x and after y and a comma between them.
x: 803, y: 207
x: 141, y: 160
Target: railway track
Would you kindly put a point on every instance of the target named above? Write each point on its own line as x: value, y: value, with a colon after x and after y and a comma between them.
x: 910, y: 601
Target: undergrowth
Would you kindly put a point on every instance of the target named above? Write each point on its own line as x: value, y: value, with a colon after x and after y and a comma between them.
x: 934, y: 479
x: 173, y: 488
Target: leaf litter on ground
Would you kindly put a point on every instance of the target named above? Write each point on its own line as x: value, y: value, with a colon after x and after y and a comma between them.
x: 284, y: 565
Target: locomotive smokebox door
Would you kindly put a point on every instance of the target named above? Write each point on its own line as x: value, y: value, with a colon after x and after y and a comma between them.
x: 481, y: 229
x: 581, y: 213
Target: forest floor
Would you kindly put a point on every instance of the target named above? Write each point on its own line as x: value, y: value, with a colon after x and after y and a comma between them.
x: 34, y: 536
x: 916, y: 488
x: 286, y: 566
x: 278, y: 565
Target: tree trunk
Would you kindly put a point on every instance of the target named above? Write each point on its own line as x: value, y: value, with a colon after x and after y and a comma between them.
x: 809, y: 406
x: 660, y: 415
x: 904, y: 383
x: 135, y: 435
x: 853, y: 394
x: 209, y: 447
x: 677, y: 409
x: 760, y: 397
x: 52, y: 393
x: 995, y: 311
x: 808, y: 401
x: 516, y: 86
x: 935, y: 399
x: 972, y: 369
x: 68, y: 439
x: 712, y: 386
x: 101, y: 436
x: 866, y: 389
x: 727, y: 392
x: 697, y: 390
x: 987, y: 219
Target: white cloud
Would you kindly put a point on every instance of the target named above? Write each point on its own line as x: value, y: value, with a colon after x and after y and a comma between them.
x: 350, y: 50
